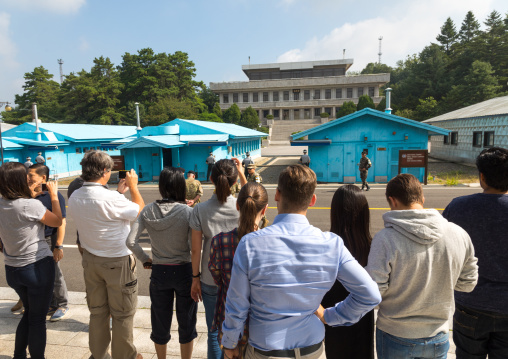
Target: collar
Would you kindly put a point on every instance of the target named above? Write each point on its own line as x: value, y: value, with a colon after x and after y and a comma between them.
x: 94, y: 184
x: 291, y: 218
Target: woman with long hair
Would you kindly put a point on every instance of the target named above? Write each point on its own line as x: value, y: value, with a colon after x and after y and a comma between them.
x: 167, y: 223
x: 350, y: 219
x: 218, y: 214
x: 29, y: 264
x: 252, y: 203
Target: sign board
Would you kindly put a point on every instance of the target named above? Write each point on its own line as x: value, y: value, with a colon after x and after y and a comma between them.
x: 414, y: 159
x: 119, y: 163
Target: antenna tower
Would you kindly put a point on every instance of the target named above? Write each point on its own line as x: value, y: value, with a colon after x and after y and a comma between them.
x: 380, y: 52
x: 60, y: 62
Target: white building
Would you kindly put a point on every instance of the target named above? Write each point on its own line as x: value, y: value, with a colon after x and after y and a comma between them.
x: 472, y: 129
x: 298, y: 90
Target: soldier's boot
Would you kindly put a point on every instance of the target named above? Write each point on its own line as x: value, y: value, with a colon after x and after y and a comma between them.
x: 368, y: 188
x: 363, y: 185
x: 264, y: 222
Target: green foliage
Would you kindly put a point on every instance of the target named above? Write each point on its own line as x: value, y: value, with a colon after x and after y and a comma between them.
x: 269, y: 117
x: 376, y: 68
x: 264, y: 129
x: 324, y: 115
x: 347, y: 108
x: 294, y: 133
x: 249, y: 118
x: 365, y: 101
x: 448, y: 35
x: 217, y: 110
x: 470, y: 28
x: 211, y: 117
x: 426, y: 109
x: 453, y: 181
x: 232, y: 114
x: 210, y: 99
x: 405, y: 112
x: 167, y: 109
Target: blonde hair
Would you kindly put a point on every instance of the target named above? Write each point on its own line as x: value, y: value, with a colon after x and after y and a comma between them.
x: 251, y: 200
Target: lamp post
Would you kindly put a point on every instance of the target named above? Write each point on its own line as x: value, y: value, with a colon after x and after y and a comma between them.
x: 7, y: 108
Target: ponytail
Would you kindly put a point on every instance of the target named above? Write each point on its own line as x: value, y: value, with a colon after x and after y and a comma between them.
x: 224, y: 175
x: 252, y: 199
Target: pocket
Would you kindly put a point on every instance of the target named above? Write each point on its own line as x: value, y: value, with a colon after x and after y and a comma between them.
x: 464, y: 322
x: 441, y: 349
x: 130, y: 298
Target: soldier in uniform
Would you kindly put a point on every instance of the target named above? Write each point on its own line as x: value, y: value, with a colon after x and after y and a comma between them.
x: 247, y: 161
x: 305, y: 159
x: 235, y: 188
x: 253, y: 176
x: 28, y: 162
x: 210, y: 161
x: 39, y: 158
x: 365, y: 164
x: 194, y: 189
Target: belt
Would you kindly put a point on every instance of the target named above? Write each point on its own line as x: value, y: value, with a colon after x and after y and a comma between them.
x: 291, y: 352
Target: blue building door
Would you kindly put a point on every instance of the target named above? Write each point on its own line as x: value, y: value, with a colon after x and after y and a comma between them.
x: 336, y: 163
x: 167, y: 157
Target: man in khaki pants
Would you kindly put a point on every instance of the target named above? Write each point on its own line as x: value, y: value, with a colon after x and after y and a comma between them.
x: 103, y: 219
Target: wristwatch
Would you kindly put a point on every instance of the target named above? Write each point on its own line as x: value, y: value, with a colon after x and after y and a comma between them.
x: 59, y: 247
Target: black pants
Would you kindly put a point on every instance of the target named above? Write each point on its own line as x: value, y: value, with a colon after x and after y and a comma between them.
x: 209, y: 172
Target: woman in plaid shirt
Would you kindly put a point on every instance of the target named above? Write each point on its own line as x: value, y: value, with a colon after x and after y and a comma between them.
x: 252, y: 203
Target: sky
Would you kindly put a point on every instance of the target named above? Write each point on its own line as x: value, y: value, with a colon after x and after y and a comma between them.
x: 218, y: 35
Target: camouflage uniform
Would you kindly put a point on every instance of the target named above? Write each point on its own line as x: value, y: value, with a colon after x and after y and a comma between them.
x: 193, y: 189
x: 254, y: 178
x: 364, y: 164
x: 235, y: 189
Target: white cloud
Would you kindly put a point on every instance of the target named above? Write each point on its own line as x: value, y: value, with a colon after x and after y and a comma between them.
x: 407, y: 28
x: 8, y: 62
x: 54, y: 6
x: 84, y: 45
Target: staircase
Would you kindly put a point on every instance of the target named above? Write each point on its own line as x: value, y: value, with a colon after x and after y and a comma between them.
x: 281, y: 130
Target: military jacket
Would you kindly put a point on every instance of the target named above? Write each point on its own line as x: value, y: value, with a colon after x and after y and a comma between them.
x: 254, y: 178
x: 193, y: 189
x: 365, y: 163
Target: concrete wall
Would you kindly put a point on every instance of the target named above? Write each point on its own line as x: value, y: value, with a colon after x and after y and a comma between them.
x: 464, y: 151
x: 339, y: 161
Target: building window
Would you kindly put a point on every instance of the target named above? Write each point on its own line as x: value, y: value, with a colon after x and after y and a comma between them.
x: 296, y: 114
x: 285, y: 114
x: 328, y: 94
x: 360, y: 91
x: 245, y: 97
x: 276, y: 113
x: 235, y: 98
x: 296, y: 96
x: 306, y: 94
x: 306, y: 114
x: 477, y: 139
x: 225, y: 98
x: 265, y: 113
x: 265, y: 96
x: 317, y: 112
x: 317, y: 94
x: 454, y: 138
x: 349, y: 93
x: 488, y: 139
x: 338, y: 93
x: 255, y: 97
x: 275, y: 95
x: 78, y: 150
x: 446, y: 140
x: 371, y: 92
x: 286, y: 95
x: 328, y: 110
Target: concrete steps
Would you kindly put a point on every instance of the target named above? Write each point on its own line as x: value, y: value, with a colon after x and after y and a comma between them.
x: 282, y: 130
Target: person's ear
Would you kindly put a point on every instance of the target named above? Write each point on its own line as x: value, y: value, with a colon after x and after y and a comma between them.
x: 392, y: 203
x: 237, y: 206
x: 313, y: 200
x: 423, y: 200
x: 263, y: 211
x: 277, y: 195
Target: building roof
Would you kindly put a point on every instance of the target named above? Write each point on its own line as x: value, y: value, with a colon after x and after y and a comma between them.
x: 218, y: 127
x: 164, y: 141
x: 32, y: 142
x: 492, y: 107
x: 7, y: 126
x: 204, y: 138
x: 300, y: 65
x: 433, y: 130
x: 8, y: 145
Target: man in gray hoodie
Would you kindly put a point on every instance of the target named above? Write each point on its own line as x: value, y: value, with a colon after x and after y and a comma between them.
x: 417, y: 260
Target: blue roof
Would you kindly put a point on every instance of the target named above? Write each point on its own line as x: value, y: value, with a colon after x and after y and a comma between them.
x: 229, y: 128
x: 29, y: 142
x: 164, y: 141
x: 433, y: 130
x: 81, y: 132
x: 8, y: 145
x: 204, y: 138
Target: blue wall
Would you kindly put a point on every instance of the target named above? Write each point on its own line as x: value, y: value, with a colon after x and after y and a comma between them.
x: 384, y: 140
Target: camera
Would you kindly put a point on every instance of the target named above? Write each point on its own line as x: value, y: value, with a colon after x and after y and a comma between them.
x: 44, y: 187
x: 122, y: 174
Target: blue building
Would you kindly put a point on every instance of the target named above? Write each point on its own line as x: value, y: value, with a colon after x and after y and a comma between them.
x: 62, y: 145
x: 187, y: 144
x: 335, y: 147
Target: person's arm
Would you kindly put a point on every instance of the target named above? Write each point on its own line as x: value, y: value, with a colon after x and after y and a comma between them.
x: 131, y: 179
x: 197, y: 238
x: 60, y: 235
x: 364, y: 293
x: 243, y: 179
x: 379, y: 263
x: 53, y: 218
x: 469, y: 274
x: 199, y: 193
x: 132, y: 241
x: 237, y: 301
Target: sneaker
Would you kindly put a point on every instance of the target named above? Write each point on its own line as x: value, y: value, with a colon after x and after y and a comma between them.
x: 59, y: 314
x: 17, y: 306
x: 52, y: 310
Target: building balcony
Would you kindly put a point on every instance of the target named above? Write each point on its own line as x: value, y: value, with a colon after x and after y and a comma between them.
x: 334, y: 102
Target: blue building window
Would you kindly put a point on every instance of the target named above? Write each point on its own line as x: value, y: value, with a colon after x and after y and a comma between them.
x: 78, y: 149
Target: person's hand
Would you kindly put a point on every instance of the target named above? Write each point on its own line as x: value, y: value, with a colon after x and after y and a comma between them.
x: 196, y: 290
x: 52, y: 189
x: 33, y: 187
x: 148, y: 261
x: 122, y: 186
x: 190, y: 202
x: 320, y: 313
x: 131, y: 179
x: 231, y: 353
x: 238, y: 164
x: 57, y: 255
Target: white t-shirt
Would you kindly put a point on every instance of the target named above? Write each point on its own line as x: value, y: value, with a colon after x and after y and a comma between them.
x: 103, y: 219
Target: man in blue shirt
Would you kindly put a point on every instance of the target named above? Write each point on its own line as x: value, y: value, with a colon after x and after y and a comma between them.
x: 280, y: 275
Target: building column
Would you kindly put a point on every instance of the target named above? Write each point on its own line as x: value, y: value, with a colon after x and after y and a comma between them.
x: 221, y: 99
x: 291, y: 113
x: 376, y: 91
x: 260, y: 114
x: 333, y: 114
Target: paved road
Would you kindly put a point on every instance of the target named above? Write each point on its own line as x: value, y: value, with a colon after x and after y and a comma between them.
x: 436, y: 197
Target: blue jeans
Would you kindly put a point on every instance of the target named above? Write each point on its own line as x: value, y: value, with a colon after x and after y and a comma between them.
x: 34, y: 285
x: 209, y: 294
x: 478, y: 333
x: 392, y: 347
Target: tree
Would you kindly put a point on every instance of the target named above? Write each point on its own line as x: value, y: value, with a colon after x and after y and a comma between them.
x: 426, y: 109
x: 448, y: 35
x: 210, y: 98
x: 167, y: 109
x: 376, y: 68
x: 365, y: 101
x: 211, y: 117
x: 406, y: 113
x: 469, y: 29
x: 232, y: 114
x: 249, y: 118
x: 347, y: 108
x: 217, y: 110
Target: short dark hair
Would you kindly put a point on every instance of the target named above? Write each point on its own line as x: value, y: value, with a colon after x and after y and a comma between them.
x: 296, y: 186
x: 41, y: 169
x: 406, y: 189
x: 172, y: 184
x: 493, y: 163
x: 94, y: 163
x: 224, y: 175
x: 14, y: 181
